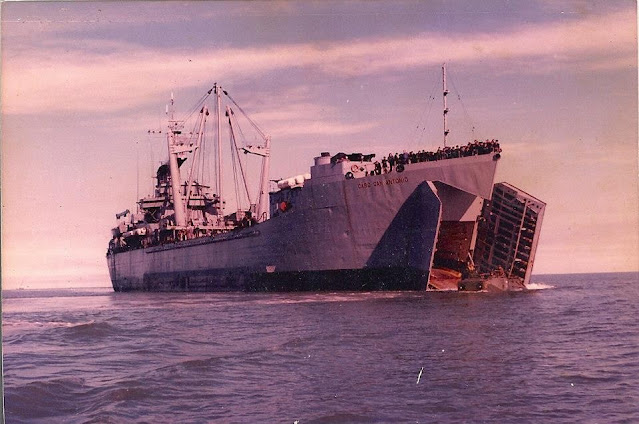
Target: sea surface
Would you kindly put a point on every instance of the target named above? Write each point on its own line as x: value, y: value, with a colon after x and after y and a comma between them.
x: 565, y: 352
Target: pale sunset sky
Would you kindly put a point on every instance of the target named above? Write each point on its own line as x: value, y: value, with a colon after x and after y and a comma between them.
x: 82, y: 82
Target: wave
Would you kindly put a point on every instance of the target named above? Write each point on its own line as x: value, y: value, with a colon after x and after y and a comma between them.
x: 345, y: 418
x: 130, y: 391
x: 41, y: 399
x: 67, y: 397
x: 39, y: 332
x: 328, y: 297
x: 29, y: 325
x: 199, y: 364
x: 539, y: 286
x: 90, y: 329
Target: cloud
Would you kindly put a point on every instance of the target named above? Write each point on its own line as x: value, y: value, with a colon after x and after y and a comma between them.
x: 608, y: 39
x: 312, y: 127
x: 106, y: 76
x: 305, y: 118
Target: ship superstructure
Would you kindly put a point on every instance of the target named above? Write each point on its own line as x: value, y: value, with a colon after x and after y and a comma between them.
x: 183, y: 209
x: 407, y: 221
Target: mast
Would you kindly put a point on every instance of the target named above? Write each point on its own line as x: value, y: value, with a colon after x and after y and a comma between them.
x: 176, y: 184
x: 262, y: 210
x: 446, y: 130
x: 218, y: 167
x: 235, y: 155
x: 264, y: 151
x: 189, y: 191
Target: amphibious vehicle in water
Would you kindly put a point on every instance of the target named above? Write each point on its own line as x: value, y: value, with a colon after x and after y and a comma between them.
x: 411, y: 221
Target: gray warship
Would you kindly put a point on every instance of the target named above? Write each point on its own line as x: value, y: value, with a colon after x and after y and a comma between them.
x: 411, y: 221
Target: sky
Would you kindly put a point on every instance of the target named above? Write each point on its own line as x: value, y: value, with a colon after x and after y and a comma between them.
x: 83, y: 82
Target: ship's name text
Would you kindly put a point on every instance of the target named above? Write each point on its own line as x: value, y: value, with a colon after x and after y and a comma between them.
x: 391, y: 181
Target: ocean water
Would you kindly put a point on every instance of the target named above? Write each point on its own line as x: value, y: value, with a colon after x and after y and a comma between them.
x: 567, y: 351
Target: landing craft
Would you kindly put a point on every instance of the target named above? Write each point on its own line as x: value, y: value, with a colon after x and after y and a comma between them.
x: 415, y: 221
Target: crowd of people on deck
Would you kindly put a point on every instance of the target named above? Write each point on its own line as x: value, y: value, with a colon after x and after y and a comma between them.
x: 392, y: 161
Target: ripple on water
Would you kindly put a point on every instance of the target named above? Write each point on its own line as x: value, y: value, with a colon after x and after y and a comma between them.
x: 563, y: 352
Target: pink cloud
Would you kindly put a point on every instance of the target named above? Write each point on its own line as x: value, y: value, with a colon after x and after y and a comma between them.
x: 75, y: 77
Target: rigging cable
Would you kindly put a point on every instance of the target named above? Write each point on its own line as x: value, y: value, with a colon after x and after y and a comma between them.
x: 198, y: 104
x: 193, y: 172
x: 148, y: 137
x: 137, y: 174
x: 217, y: 142
x: 239, y: 160
x: 466, y: 115
x: 203, y: 176
x: 245, y: 114
x: 424, y: 116
x: 237, y: 191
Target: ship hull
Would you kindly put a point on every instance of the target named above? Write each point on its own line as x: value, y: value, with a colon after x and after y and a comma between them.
x: 372, y: 233
x: 231, y: 280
